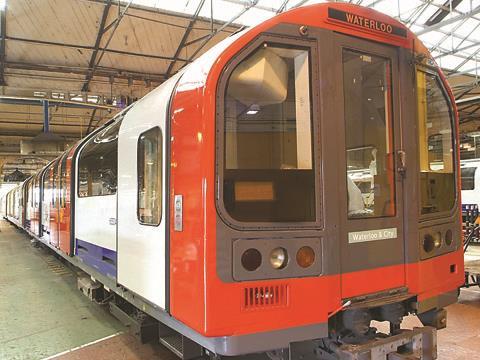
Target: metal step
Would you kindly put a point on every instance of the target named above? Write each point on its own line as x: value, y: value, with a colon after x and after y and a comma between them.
x: 174, y: 343
x: 180, y: 345
x: 140, y: 325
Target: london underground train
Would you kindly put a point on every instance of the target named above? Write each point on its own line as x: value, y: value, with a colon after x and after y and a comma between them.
x: 292, y: 184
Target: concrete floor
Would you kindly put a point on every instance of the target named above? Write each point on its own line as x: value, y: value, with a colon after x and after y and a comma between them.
x: 44, y: 316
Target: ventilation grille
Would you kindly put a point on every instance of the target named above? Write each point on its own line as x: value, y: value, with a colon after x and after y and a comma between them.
x: 265, y: 297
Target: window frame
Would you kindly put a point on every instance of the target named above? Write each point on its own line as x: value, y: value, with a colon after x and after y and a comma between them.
x: 116, y: 120
x: 161, y: 158
x: 273, y: 40
x: 430, y: 70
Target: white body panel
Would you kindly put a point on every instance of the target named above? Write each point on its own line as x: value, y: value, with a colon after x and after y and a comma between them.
x: 92, y: 220
x: 472, y: 196
x: 141, y: 248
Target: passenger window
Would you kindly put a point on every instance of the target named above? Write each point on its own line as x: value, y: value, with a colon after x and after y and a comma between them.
x: 268, y: 172
x: 369, y: 136
x: 149, y: 173
x: 468, y: 178
x: 435, y: 135
x: 97, y: 164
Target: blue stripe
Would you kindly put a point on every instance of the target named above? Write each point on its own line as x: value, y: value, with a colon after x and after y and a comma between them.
x: 99, y: 258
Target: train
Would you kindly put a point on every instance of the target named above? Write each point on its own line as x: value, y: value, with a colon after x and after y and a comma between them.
x: 295, y: 182
x: 470, y: 181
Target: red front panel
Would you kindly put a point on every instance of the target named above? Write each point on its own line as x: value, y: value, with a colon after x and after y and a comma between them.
x: 198, y: 297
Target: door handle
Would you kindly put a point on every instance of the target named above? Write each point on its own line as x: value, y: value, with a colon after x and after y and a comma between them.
x: 401, y: 162
x: 112, y: 221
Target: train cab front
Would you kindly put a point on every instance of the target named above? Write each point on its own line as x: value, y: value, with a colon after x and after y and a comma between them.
x: 335, y: 195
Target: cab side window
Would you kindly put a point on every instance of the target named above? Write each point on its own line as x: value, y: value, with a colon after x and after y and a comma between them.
x: 436, y: 145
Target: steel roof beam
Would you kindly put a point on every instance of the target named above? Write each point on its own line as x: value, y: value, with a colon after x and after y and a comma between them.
x: 300, y: 3
x: 75, y: 46
x: 466, y: 72
x: 431, y: 2
x: 445, y: 52
x: 101, y: 31
x: 419, y: 10
x: 98, y: 59
x: 456, y: 54
x: 469, y: 100
x: 440, y: 14
x: 101, y: 71
x: 33, y: 122
x: 467, y: 59
x: 282, y: 7
x: 452, y: 20
x: 446, y: 36
x: 205, y: 41
x: 181, y: 45
x: 6, y: 99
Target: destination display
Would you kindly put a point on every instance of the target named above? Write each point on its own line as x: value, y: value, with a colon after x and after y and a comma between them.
x: 366, y: 23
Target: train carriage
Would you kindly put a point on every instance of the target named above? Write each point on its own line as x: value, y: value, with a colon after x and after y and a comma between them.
x: 295, y: 182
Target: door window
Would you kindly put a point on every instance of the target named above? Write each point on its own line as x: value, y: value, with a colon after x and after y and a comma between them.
x: 149, y: 172
x: 369, y: 138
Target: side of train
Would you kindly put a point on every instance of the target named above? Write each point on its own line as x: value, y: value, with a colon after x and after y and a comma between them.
x: 295, y: 182
x: 470, y: 181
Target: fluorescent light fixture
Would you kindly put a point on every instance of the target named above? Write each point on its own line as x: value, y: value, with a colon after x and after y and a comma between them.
x: 253, y: 109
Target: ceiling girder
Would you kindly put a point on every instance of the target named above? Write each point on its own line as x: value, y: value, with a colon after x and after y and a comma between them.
x: 452, y: 20
x: 103, y: 49
x: 440, y: 14
x: 185, y: 37
x: 228, y: 23
x: 101, y: 31
x: 97, y: 59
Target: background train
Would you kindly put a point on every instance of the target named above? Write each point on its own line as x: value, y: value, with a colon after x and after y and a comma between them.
x: 257, y: 200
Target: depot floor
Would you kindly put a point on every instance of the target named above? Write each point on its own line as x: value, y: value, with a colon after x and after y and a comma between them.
x: 44, y: 316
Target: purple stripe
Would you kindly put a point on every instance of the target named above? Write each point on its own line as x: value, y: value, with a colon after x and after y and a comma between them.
x: 99, y: 258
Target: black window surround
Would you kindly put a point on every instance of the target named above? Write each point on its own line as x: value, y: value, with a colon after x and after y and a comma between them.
x: 453, y: 210
x: 273, y: 41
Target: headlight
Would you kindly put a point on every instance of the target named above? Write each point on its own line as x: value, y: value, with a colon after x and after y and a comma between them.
x: 305, y: 256
x: 437, y: 238
x: 279, y: 258
x: 251, y: 259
